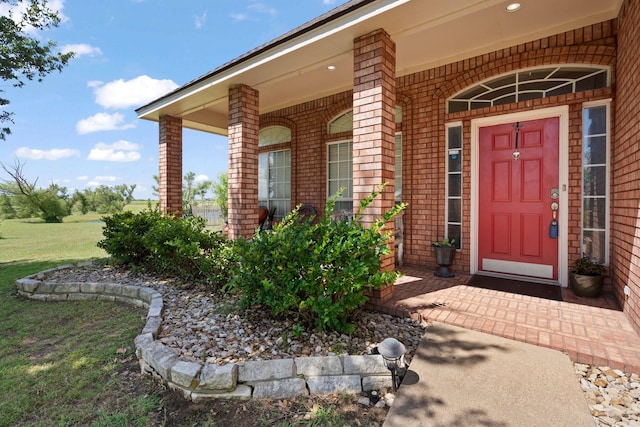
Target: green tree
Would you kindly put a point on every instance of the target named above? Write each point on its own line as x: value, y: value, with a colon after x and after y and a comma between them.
x: 50, y: 204
x: 202, y: 188
x: 220, y: 192
x: 79, y: 201
x: 107, y: 200
x: 22, y: 56
x: 188, y: 192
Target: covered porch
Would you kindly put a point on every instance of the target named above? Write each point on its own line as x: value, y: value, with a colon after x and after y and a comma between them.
x: 394, y: 68
x: 591, y: 331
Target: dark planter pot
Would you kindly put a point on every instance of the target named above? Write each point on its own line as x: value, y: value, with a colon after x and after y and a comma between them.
x: 444, y: 258
x: 586, y: 286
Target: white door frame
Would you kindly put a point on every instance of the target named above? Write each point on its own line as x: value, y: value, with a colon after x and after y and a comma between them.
x: 562, y: 113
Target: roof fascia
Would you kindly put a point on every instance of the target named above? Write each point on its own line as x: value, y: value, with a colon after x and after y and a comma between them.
x: 274, y: 50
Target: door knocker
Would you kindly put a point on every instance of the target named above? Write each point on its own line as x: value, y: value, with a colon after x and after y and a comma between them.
x: 516, y: 153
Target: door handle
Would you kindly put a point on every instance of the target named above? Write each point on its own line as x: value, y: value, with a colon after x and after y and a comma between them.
x: 553, y: 228
x: 554, y: 210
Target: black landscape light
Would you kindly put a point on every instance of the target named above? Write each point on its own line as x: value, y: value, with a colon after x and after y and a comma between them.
x: 392, y: 352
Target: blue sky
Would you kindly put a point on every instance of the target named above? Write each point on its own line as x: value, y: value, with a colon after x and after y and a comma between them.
x: 79, y: 129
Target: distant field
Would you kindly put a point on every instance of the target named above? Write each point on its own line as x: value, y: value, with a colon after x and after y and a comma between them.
x: 59, y: 362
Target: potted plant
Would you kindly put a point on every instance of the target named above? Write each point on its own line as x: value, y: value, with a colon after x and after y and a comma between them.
x: 445, y: 251
x: 586, y: 278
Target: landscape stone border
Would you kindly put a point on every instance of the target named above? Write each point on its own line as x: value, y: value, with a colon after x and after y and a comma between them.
x: 275, y: 379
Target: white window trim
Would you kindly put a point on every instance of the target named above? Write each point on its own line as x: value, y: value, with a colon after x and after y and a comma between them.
x: 395, y: 175
x: 562, y: 112
x: 329, y: 195
x: 607, y: 233
x: 447, y: 126
x: 269, y: 199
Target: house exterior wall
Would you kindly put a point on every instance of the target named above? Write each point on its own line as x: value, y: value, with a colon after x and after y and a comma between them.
x: 422, y: 97
x: 625, y: 158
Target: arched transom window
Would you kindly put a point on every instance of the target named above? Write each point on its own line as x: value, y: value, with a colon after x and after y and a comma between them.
x: 344, y: 122
x: 274, y: 135
x: 529, y: 84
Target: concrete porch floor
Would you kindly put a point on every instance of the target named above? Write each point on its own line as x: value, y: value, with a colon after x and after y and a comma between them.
x: 591, y: 331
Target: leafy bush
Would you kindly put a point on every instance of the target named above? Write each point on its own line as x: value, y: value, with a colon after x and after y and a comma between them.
x: 184, y: 248
x: 124, y: 233
x: 320, y: 271
x: 180, y: 247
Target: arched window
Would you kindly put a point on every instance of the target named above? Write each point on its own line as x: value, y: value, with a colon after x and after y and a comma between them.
x: 340, y: 162
x: 274, y: 171
x: 272, y: 135
x: 534, y: 83
x: 344, y: 121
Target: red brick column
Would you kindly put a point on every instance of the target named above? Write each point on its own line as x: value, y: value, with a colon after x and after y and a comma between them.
x: 170, y: 162
x: 374, y: 100
x: 244, y: 126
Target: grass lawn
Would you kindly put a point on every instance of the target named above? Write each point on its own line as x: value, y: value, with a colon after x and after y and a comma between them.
x: 73, y: 363
x: 61, y: 362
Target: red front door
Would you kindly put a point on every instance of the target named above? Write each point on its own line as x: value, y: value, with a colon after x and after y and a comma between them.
x: 517, y: 188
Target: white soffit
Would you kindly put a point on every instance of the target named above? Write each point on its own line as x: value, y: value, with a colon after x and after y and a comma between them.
x: 427, y: 34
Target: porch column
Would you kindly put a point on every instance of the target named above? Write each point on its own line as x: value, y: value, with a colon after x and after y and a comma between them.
x: 170, y: 162
x: 244, y: 126
x: 374, y: 100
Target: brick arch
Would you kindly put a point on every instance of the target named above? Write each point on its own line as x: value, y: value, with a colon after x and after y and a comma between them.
x: 562, y: 55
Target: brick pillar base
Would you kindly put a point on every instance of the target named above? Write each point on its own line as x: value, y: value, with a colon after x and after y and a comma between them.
x: 170, y: 165
x: 244, y: 127
x: 374, y: 100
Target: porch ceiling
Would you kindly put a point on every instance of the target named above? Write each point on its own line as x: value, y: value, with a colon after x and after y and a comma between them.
x: 427, y: 34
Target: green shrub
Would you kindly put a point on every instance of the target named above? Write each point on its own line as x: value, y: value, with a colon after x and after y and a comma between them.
x: 183, y: 247
x: 123, y: 236
x: 179, y: 247
x: 319, y: 271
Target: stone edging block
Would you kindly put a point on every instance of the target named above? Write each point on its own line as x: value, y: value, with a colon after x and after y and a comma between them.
x: 275, y: 379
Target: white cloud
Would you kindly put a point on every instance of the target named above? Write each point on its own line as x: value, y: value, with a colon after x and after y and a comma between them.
x: 82, y: 178
x: 255, y: 8
x: 81, y: 49
x: 200, y: 20
x: 329, y: 2
x: 60, y: 181
x: 136, y: 92
x: 102, y: 180
x: 102, y: 122
x: 120, y: 151
x: 239, y: 17
x: 53, y: 154
x: 262, y: 9
x: 201, y: 178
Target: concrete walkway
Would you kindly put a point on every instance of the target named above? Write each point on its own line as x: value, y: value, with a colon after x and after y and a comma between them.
x: 460, y: 377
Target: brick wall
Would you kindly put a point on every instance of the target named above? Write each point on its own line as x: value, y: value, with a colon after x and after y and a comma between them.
x: 625, y: 212
x: 423, y: 97
x: 170, y: 165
